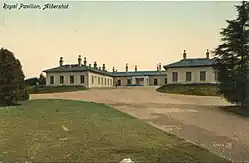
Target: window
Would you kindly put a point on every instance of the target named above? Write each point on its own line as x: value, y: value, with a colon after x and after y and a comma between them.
x: 174, y: 76
x: 82, y: 79
x: 105, y: 81
x: 92, y: 79
x: 188, y: 76
x: 98, y: 80
x: 128, y: 81
x: 71, y: 79
x: 215, y: 75
x: 111, y: 82
x: 61, y: 79
x: 202, y: 75
x: 165, y: 81
x: 108, y: 81
x: 51, y: 79
x: 102, y: 81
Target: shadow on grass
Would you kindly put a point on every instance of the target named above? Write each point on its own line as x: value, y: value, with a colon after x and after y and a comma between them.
x: 14, y: 104
x: 235, y: 110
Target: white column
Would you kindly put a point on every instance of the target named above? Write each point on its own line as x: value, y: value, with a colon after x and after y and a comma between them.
x: 133, y: 81
x: 147, y: 80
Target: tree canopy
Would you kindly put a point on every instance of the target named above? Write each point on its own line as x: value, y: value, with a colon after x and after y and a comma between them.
x: 12, y: 86
x: 231, y: 57
x: 32, y: 81
x: 42, y: 79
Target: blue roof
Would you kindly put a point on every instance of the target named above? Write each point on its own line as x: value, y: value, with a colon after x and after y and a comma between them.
x: 76, y: 68
x: 139, y: 73
x: 194, y: 62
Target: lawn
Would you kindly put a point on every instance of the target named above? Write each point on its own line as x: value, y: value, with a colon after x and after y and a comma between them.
x: 191, y: 89
x: 34, y: 131
x: 54, y: 89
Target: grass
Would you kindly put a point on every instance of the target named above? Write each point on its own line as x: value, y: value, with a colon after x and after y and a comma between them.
x: 191, y: 89
x: 97, y: 133
x: 55, y: 89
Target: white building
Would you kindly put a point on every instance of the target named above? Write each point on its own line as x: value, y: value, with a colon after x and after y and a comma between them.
x: 191, y: 70
x: 79, y: 74
x: 93, y: 76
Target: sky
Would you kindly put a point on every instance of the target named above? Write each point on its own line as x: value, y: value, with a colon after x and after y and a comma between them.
x: 112, y: 33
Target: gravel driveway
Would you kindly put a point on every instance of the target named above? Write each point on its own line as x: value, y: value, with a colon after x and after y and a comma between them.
x: 194, y: 118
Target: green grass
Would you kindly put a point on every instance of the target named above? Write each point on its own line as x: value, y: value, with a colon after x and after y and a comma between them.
x: 97, y: 133
x: 191, y: 89
x: 54, y: 89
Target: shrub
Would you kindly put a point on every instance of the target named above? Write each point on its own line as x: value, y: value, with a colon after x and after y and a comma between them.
x: 11, y: 78
x: 191, y: 89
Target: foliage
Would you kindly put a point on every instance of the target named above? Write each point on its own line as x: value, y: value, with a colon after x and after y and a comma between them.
x: 32, y: 81
x: 231, y: 57
x: 25, y: 95
x: 55, y: 89
x: 42, y: 80
x: 191, y: 89
x: 12, y: 85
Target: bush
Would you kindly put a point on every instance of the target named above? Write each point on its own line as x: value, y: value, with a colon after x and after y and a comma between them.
x: 11, y: 78
x: 24, y: 95
x: 205, y: 89
x: 55, y: 89
x: 31, y: 81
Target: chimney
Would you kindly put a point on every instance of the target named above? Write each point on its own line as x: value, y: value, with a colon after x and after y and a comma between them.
x: 85, y: 62
x: 116, y: 70
x: 103, y: 68
x: 95, y: 65
x: 157, y: 68
x: 61, y: 61
x: 160, y: 67
x: 207, y: 54
x: 184, y: 54
x: 113, y: 69
x: 126, y: 67
x: 79, y: 60
x: 90, y: 65
x: 135, y: 68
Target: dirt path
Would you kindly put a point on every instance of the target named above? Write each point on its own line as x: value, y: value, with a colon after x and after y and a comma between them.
x: 193, y: 118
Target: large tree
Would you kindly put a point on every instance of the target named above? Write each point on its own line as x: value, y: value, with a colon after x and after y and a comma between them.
x: 12, y: 85
x: 231, y: 57
x: 42, y: 79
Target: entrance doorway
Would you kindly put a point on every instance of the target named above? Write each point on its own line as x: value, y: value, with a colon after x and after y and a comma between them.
x: 119, y: 82
x: 155, y: 82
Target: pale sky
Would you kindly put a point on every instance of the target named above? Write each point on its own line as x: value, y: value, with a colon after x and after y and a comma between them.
x: 114, y: 33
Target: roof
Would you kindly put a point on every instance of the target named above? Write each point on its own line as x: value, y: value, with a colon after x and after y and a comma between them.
x: 139, y: 73
x: 194, y: 62
x: 76, y: 68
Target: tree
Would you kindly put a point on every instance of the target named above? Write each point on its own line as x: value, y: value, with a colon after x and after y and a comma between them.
x: 31, y: 81
x: 12, y: 86
x: 42, y: 79
x: 231, y: 57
